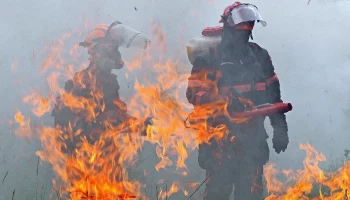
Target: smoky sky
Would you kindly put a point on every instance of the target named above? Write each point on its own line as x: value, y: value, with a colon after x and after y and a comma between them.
x: 308, y: 44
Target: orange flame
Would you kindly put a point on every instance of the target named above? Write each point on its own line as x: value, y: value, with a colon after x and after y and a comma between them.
x: 24, y: 130
x: 99, y: 170
x: 300, y: 184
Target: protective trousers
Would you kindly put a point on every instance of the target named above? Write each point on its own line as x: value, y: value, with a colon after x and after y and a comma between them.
x: 247, y: 181
x: 238, y: 162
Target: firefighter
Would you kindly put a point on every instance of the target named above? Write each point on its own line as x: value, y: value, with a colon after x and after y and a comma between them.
x: 97, y: 86
x: 224, y: 55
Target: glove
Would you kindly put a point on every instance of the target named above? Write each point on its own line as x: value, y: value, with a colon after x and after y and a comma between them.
x: 280, y: 139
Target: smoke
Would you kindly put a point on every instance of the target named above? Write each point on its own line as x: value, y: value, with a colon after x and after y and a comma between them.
x: 307, y: 44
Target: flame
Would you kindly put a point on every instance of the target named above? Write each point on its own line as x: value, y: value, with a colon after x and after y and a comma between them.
x: 42, y: 103
x: 24, y: 123
x: 94, y: 170
x: 299, y: 185
x: 98, y: 170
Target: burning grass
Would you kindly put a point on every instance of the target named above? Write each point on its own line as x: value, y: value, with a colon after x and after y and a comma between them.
x: 304, y: 183
x: 94, y: 170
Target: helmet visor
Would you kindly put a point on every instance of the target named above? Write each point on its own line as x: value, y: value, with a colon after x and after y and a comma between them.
x: 126, y: 36
x: 245, y: 13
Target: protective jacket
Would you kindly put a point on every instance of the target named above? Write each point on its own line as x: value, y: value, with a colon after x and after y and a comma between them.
x: 249, y: 73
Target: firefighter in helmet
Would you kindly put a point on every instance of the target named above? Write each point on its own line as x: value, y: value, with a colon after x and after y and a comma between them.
x: 239, y: 67
x: 98, y: 85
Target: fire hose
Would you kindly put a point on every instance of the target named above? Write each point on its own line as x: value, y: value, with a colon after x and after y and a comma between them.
x: 265, y: 110
x: 258, y: 111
